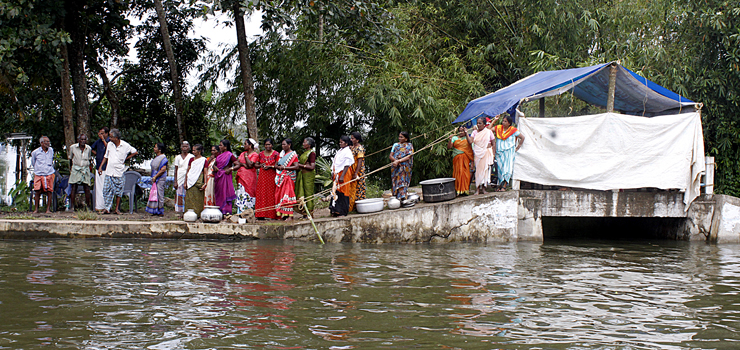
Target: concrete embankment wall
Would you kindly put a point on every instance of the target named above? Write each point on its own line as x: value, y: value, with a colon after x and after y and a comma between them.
x: 725, y: 220
x: 498, y: 217
x: 26, y: 229
x: 468, y: 219
x: 491, y: 218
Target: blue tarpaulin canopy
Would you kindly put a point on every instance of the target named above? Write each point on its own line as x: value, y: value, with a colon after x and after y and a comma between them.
x: 634, y: 94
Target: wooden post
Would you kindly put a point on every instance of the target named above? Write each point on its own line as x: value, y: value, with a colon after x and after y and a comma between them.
x: 612, y: 88
x: 542, y: 107
x: 709, y: 176
x: 17, y: 164
x: 24, y: 167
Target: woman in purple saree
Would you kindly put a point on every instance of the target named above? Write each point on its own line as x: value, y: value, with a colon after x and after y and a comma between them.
x: 223, y: 191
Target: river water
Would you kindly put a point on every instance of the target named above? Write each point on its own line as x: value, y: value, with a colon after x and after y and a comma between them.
x: 136, y: 294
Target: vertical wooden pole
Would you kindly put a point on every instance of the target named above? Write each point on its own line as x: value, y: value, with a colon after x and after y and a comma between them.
x: 709, y: 176
x: 542, y: 107
x: 318, y: 81
x: 612, y: 87
x: 18, y: 172
x: 24, y: 167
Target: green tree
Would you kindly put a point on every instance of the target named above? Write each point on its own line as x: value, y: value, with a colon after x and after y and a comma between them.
x: 147, y: 111
x: 31, y: 68
x: 419, y: 84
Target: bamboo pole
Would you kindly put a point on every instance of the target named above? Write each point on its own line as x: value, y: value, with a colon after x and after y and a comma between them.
x: 308, y: 214
x: 612, y: 88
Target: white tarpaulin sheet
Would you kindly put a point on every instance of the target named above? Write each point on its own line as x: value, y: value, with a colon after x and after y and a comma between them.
x: 613, y: 151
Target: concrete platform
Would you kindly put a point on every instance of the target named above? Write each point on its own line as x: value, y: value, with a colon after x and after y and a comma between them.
x: 495, y: 217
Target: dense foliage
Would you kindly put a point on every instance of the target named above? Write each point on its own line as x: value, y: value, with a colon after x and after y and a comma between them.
x: 326, y: 68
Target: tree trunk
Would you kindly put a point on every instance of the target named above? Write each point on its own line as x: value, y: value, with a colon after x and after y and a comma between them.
x: 246, y: 70
x: 612, y: 88
x: 173, y: 68
x: 69, y: 128
x: 115, y: 105
x: 319, y: 105
x: 76, y: 53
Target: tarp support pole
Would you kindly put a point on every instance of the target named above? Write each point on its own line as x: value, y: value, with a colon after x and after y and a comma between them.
x: 612, y: 87
x: 542, y: 107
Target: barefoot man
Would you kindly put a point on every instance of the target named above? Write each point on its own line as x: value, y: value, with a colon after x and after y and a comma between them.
x: 80, y: 172
x: 98, y: 149
x: 116, y: 154
x: 42, y: 160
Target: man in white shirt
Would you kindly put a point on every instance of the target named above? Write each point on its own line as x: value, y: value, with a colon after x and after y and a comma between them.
x: 42, y: 160
x: 116, y: 154
x: 182, y: 161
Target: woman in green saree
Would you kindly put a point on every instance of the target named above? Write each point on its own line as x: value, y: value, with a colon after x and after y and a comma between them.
x: 307, y: 173
x: 195, y: 181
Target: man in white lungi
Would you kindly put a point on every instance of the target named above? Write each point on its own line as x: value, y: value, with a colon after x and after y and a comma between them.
x: 116, y: 154
x: 98, y: 149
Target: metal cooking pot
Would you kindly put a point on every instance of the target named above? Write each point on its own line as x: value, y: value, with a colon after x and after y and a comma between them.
x: 438, y: 190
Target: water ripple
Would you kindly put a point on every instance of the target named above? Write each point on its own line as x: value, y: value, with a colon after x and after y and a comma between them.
x: 103, y: 294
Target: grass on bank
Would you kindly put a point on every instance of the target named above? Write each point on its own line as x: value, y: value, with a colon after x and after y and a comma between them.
x: 86, y: 215
x: 20, y: 217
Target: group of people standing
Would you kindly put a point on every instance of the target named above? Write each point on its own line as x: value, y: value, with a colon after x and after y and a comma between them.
x: 199, y: 181
x: 490, y: 143
x: 284, y: 184
x: 202, y: 182
x: 110, y: 153
x: 348, y: 174
x: 270, y: 182
x: 275, y: 184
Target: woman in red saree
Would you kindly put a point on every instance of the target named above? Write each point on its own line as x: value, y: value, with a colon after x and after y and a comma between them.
x: 462, y: 155
x: 246, y: 176
x: 265, y: 203
x: 285, y: 180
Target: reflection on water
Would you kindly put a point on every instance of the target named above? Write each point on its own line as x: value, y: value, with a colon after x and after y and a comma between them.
x: 192, y: 295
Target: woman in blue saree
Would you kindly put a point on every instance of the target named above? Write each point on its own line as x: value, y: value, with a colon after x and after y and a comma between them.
x: 155, y: 205
x: 508, y: 141
x: 403, y: 159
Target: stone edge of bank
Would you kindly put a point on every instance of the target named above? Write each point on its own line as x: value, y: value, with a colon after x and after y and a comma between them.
x: 511, y: 216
